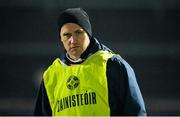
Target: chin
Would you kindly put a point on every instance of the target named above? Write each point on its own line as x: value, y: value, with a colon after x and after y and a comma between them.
x: 75, y: 54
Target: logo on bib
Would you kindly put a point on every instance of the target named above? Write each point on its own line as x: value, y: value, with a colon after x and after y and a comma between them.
x: 72, y: 82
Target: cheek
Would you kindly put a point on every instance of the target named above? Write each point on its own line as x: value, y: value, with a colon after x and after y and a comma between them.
x: 86, y: 43
x: 82, y: 43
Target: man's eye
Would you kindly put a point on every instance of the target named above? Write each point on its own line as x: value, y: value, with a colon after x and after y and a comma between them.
x: 67, y: 35
x: 79, y: 32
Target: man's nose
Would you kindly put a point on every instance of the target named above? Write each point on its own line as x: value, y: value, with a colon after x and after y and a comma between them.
x: 73, y: 39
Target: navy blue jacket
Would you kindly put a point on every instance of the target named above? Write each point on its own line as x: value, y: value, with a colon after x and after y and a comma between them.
x: 124, y: 94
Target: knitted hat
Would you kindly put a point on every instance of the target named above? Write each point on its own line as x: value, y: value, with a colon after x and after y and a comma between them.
x: 77, y: 16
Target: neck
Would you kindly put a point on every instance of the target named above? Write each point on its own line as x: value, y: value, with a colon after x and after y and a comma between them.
x: 74, y: 59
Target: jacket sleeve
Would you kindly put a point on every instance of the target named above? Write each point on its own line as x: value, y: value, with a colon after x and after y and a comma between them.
x: 124, y: 94
x: 42, y: 107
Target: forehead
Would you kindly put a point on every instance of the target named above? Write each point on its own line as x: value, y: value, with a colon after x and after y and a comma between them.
x: 70, y: 27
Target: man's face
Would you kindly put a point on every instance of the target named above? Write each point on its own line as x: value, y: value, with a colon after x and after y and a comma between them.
x: 74, y: 39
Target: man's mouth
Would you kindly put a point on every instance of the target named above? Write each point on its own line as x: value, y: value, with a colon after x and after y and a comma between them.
x: 74, y: 47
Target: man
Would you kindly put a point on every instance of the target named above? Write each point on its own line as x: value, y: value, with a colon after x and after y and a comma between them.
x: 89, y: 80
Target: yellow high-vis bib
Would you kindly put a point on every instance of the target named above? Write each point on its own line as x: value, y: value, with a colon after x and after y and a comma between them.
x: 79, y: 90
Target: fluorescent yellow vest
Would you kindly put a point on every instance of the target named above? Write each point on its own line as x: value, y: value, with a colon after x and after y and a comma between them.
x: 79, y: 90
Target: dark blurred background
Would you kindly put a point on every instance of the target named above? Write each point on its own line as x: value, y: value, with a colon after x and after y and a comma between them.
x: 146, y: 33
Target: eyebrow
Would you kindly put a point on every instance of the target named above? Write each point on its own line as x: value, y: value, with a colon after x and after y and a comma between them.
x: 80, y: 29
x: 66, y: 33
x: 69, y: 33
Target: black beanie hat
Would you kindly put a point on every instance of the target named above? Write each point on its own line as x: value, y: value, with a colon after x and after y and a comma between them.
x: 77, y: 16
